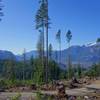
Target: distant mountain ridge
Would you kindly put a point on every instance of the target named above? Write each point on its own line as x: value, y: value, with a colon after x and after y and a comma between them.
x: 86, y: 54
x: 6, y: 55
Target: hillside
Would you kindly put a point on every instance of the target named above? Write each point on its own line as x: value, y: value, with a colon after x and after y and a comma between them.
x: 86, y: 54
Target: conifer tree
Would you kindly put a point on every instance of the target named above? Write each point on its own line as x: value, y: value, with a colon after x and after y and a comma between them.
x: 58, y: 37
x: 42, y: 23
x: 68, y: 38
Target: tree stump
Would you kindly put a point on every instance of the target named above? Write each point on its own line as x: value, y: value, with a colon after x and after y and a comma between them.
x: 61, y: 91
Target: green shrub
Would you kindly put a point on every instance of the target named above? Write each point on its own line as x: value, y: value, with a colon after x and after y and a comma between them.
x: 50, y: 98
x: 17, y: 97
x: 3, y: 84
x: 38, y: 96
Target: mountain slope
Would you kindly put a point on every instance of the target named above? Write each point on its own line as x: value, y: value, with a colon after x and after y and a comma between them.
x: 6, y: 55
x: 86, y: 54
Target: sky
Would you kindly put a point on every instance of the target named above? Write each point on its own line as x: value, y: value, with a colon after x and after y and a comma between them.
x: 17, y: 28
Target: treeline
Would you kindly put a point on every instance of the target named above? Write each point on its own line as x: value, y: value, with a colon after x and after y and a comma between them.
x: 44, y: 69
x: 33, y: 70
x: 94, y: 71
x: 29, y: 70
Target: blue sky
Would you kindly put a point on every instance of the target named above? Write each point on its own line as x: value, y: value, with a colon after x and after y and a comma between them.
x: 17, y: 28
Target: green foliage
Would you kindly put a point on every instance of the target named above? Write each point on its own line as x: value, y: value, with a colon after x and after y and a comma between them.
x: 17, y: 97
x: 42, y: 15
x: 8, y: 83
x: 40, y: 46
x: 38, y: 73
x: 3, y: 84
x: 42, y: 24
x: 68, y: 36
x: 35, y: 66
x: 38, y: 96
x: 58, y: 36
x: 34, y: 72
x: 32, y: 67
x: 9, y: 69
x: 62, y: 74
x: 94, y: 71
x: 54, y: 71
x: 50, y: 98
x: 79, y: 71
x: 70, y: 70
x: 79, y: 98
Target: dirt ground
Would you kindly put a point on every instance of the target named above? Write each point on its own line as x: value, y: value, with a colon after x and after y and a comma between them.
x: 30, y: 95
x: 24, y: 96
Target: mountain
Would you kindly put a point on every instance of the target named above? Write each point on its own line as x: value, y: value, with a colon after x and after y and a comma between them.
x: 6, y: 55
x: 86, y: 54
x: 83, y: 54
x: 33, y: 53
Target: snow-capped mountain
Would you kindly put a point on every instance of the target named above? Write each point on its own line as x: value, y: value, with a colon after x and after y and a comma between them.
x: 93, y: 44
x: 86, y: 54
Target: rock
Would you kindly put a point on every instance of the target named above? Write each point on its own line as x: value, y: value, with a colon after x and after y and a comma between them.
x: 33, y: 87
x: 2, y: 90
x: 61, y: 91
x: 74, y: 84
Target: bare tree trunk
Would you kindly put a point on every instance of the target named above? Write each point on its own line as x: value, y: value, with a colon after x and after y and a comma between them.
x: 56, y: 58
x: 47, y: 45
x: 60, y: 50
x: 43, y: 53
x: 47, y: 54
x: 68, y: 62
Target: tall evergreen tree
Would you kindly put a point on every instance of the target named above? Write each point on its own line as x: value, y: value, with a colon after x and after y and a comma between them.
x: 68, y: 38
x: 58, y: 37
x: 47, y: 27
x: 40, y: 25
x: 42, y: 21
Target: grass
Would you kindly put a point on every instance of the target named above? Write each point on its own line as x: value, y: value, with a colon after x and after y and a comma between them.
x: 17, y: 97
x: 10, y: 83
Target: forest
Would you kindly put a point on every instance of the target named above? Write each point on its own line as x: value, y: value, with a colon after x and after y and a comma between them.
x: 44, y: 73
